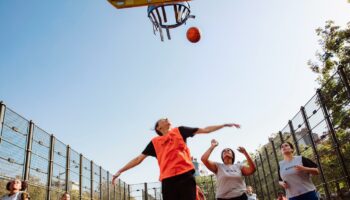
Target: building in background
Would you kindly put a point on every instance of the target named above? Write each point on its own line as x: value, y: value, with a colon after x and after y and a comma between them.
x: 200, y: 169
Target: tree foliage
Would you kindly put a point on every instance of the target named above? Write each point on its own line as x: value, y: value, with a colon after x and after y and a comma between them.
x: 335, y: 50
x: 207, y: 185
x: 335, y: 53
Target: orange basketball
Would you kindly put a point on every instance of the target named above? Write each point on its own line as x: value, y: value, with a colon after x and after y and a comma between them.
x: 193, y: 34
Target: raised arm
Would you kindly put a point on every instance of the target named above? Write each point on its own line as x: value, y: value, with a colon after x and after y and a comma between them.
x: 246, y: 171
x: 132, y: 163
x: 210, y: 129
x: 205, y: 157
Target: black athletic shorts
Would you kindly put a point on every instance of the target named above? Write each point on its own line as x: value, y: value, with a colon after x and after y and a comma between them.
x: 243, y: 197
x: 181, y: 187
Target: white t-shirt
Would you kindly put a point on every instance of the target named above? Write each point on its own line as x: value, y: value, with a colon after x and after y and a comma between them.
x: 230, y: 182
x: 252, y: 196
x: 16, y: 196
x: 299, y: 181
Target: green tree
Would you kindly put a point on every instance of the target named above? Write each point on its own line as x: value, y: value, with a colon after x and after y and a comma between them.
x: 335, y: 52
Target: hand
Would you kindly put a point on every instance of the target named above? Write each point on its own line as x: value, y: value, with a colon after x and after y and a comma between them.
x: 232, y: 124
x: 115, y: 176
x: 25, y: 196
x: 284, y: 184
x: 214, y: 143
x: 300, y: 168
x: 242, y: 150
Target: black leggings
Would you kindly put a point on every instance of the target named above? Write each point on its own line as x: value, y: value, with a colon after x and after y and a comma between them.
x: 184, y: 188
x: 242, y: 197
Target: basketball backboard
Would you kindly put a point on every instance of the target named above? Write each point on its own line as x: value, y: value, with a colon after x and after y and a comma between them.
x: 136, y: 3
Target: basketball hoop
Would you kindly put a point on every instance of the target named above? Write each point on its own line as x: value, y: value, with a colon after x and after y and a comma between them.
x: 179, y: 13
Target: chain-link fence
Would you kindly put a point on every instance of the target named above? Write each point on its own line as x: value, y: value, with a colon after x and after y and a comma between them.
x: 145, y: 191
x: 50, y: 167
x: 320, y: 131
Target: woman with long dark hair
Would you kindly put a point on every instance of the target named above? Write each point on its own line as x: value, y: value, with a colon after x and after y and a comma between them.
x: 295, y: 174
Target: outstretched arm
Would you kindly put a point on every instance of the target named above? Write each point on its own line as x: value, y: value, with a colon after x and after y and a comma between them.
x: 246, y: 171
x: 210, y: 129
x: 132, y: 163
x: 205, y: 157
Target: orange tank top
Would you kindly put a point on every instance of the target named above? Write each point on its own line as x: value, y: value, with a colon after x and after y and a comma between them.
x: 173, y: 155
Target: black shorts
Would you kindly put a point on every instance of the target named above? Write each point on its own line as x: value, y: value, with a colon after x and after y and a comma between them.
x: 181, y: 187
x: 242, y: 197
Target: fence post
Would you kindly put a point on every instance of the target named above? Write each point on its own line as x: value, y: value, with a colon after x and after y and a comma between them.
x: 124, y: 191
x: 270, y: 170
x: 2, y: 117
x: 292, y: 131
x: 49, y: 175
x: 128, y: 192
x: 155, y: 193
x: 108, y: 192
x: 264, y: 174
x: 274, y: 151
x: 100, y: 182
x: 92, y: 180
x: 255, y: 185
x: 246, y: 180
x: 67, y: 168
x: 120, y: 189
x: 80, y: 176
x: 28, y: 151
x: 333, y: 136
x: 309, y: 131
x: 114, y: 192
x: 281, y: 137
x: 345, y: 80
x: 261, y: 189
x: 212, y: 185
x: 146, y: 192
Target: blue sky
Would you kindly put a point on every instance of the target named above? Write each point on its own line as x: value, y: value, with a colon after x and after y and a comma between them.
x: 98, y: 78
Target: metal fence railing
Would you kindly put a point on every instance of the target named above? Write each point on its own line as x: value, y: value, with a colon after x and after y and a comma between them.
x: 145, y: 191
x: 50, y: 167
x: 319, y: 131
